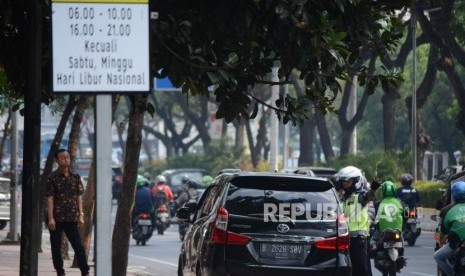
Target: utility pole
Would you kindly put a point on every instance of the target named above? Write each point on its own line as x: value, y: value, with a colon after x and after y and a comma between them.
x: 414, y: 95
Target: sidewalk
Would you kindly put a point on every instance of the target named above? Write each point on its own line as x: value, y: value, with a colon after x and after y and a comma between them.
x: 10, y: 258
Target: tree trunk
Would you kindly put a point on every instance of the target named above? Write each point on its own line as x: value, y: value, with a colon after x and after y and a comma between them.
x: 325, y: 139
x: 75, y: 131
x: 72, y: 149
x: 251, y: 144
x: 239, y: 140
x: 88, y: 207
x: 33, y: 36
x: 145, y: 143
x: 122, y: 229
x: 51, y: 159
x: 261, y: 137
x: 199, y: 119
x: 307, y: 134
x: 348, y: 124
x: 388, y: 101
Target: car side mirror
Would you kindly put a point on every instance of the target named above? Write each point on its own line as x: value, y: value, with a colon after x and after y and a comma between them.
x: 190, y: 205
x: 434, y: 217
x: 184, y: 213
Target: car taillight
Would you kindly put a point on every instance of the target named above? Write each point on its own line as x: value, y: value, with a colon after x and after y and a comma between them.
x: 341, y: 242
x: 221, y: 236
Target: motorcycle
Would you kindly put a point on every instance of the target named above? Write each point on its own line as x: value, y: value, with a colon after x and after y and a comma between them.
x: 410, y: 231
x: 162, y: 219
x: 142, y: 229
x: 389, y: 259
x: 458, y: 259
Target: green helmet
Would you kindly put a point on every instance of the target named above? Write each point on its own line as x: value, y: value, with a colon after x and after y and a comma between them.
x: 141, y: 181
x: 207, y: 180
x: 388, y: 189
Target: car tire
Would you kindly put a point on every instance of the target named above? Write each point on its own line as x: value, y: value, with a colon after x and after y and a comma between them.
x: 2, y: 224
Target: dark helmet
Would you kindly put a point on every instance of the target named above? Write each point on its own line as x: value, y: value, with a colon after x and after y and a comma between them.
x: 185, y: 178
x: 458, y: 191
x: 406, y: 179
x: 388, y: 189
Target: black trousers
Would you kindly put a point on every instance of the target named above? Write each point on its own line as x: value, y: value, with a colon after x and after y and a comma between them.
x: 361, y: 265
x: 72, y: 232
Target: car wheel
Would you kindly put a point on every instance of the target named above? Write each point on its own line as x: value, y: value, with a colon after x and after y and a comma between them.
x: 2, y: 224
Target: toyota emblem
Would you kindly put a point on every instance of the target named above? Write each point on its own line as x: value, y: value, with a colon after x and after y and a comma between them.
x: 282, y: 228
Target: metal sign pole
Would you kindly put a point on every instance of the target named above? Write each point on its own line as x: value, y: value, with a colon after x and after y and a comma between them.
x: 103, y: 185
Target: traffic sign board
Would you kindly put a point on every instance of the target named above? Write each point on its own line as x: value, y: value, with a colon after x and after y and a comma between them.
x: 164, y: 84
x: 100, y: 46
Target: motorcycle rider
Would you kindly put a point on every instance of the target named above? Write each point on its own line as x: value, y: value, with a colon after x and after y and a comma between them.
x: 161, y: 186
x: 207, y: 180
x: 409, y: 197
x: 407, y: 194
x: 143, y: 201
x: 355, y: 203
x: 185, y: 193
x: 389, y: 212
x: 191, y: 187
x: 454, y: 227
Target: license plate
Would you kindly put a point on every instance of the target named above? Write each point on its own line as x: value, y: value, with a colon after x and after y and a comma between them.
x: 281, y: 251
x: 392, y: 244
x: 145, y: 222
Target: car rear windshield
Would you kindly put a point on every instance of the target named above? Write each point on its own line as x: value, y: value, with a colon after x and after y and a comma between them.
x: 299, y: 199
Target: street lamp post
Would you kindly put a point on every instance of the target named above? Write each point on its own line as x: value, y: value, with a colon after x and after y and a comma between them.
x: 414, y: 96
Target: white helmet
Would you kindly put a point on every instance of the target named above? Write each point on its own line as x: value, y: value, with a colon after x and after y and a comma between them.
x: 161, y: 179
x: 354, y: 174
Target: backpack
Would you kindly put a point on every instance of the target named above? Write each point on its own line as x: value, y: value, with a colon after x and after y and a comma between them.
x: 160, y: 197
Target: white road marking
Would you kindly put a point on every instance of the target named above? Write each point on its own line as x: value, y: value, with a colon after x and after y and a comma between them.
x: 155, y: 260
x: 419, y: 273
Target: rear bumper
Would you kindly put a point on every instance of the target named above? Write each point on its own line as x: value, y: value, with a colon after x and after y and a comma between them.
x: 326, y: 268
x: 274, y: 270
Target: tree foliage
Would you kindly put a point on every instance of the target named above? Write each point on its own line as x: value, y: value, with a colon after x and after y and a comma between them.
x: 234, y: 45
